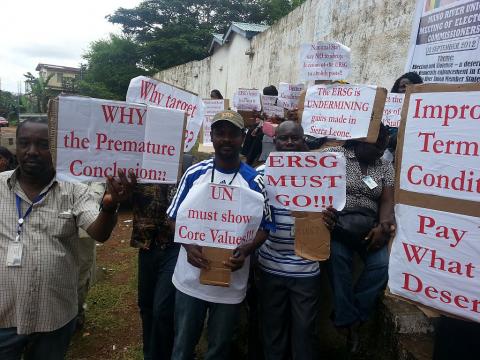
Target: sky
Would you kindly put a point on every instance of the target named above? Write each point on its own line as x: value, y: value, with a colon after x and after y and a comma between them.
x: 54, y: 32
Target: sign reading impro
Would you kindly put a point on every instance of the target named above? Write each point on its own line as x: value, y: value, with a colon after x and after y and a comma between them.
x: 95, y: 138
x: 435, y: 254
x: 306, y: 181
x: 145, y: 90
x: 442, y: 145
x: 219, y: 216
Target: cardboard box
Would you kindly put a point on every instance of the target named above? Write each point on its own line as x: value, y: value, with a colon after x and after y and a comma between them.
x: 218, y: 274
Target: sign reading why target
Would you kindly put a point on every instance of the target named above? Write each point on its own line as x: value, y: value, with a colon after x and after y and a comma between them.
x: 96, y: 138
x: 149, y: 91
x: 219, y: 216
x: 306, y: 181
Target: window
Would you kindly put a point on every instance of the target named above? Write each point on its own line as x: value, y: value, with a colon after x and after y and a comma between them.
x: 59, y: 78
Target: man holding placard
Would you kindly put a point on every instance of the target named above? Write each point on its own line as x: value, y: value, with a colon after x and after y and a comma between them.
x: 219, y: 203
x: 288, y: 284
x: 39, y: 247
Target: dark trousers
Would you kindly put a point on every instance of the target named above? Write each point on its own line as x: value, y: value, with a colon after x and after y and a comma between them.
x: 456, y: 339
x: 289, y: 308
x: 354, y: 302
x: 156, y: 300
x: 190, y: 314
x: 52, y: 345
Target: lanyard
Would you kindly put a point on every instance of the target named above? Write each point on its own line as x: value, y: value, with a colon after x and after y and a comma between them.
x: 21, y: 219
x: 213, y: 174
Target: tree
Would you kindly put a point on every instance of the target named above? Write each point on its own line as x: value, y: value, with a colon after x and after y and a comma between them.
x: 8, y: 105
x: 276, y: 9
x: 111, y: 64
x: 39, y: 91
x: 173, y: 32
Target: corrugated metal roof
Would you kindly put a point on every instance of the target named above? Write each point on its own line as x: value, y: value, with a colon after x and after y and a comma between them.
x: 219, y: 37
x: 250, y: 26
x: 247, y: 30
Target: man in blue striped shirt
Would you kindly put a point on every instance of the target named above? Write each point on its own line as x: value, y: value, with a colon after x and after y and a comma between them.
x: 288, y: 285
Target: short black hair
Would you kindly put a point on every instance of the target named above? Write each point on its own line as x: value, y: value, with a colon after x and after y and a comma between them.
x: 31, y: 120
x: 270, y: 90
x: 412, y: 76
x: 217, y: 93
x: 4, y: 152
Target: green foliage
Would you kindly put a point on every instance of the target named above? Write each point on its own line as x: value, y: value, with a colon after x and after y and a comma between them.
x: 8, y: 105
x: 173, y: 32
x: 159, y: 34
x: 39, y: 91
x: 276, y: 9
x: 112, y: 63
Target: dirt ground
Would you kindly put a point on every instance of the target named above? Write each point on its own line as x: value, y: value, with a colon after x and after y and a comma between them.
x: 112, y: 329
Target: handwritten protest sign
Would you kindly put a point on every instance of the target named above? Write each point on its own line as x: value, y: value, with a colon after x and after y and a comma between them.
x: 434, y: 260
x: 444, y: 45
x: 392, y: 112
x: 247, y: 100
x: 219, y: 216
x: 270, y: 107
x: 324, y: 60
x: 343, y: 112
x: 288, y: 95
x: 441, y: 145
x: 306, y: 181
x: 95, y: 138
x: 212, y: 107
x: 149, y: 91
x: 436, y: 249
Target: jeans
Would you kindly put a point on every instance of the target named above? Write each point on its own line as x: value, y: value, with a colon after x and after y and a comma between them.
x: 354, y: 303
x: 190, y: 314
x: 52, y: 345
x: 289, y: 308
x: 156, y: 299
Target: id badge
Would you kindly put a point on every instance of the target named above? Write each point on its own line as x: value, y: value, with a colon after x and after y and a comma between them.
x: 368, y: 180
x: 292, y: 230
x: 14, y: 253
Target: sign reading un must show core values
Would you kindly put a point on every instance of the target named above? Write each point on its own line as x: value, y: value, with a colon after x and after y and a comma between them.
x: 306, y: 181
x: 218, y: 215
x: 96, y: 138
x: 145, y: 90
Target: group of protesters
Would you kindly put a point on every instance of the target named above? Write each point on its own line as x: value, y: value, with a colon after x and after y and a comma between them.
x: 41, y: 301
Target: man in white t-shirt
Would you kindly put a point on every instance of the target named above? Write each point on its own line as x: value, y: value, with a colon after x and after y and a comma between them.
x: 193, y: 299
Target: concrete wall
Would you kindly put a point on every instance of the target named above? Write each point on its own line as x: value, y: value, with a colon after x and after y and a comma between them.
x: 377, y: 31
